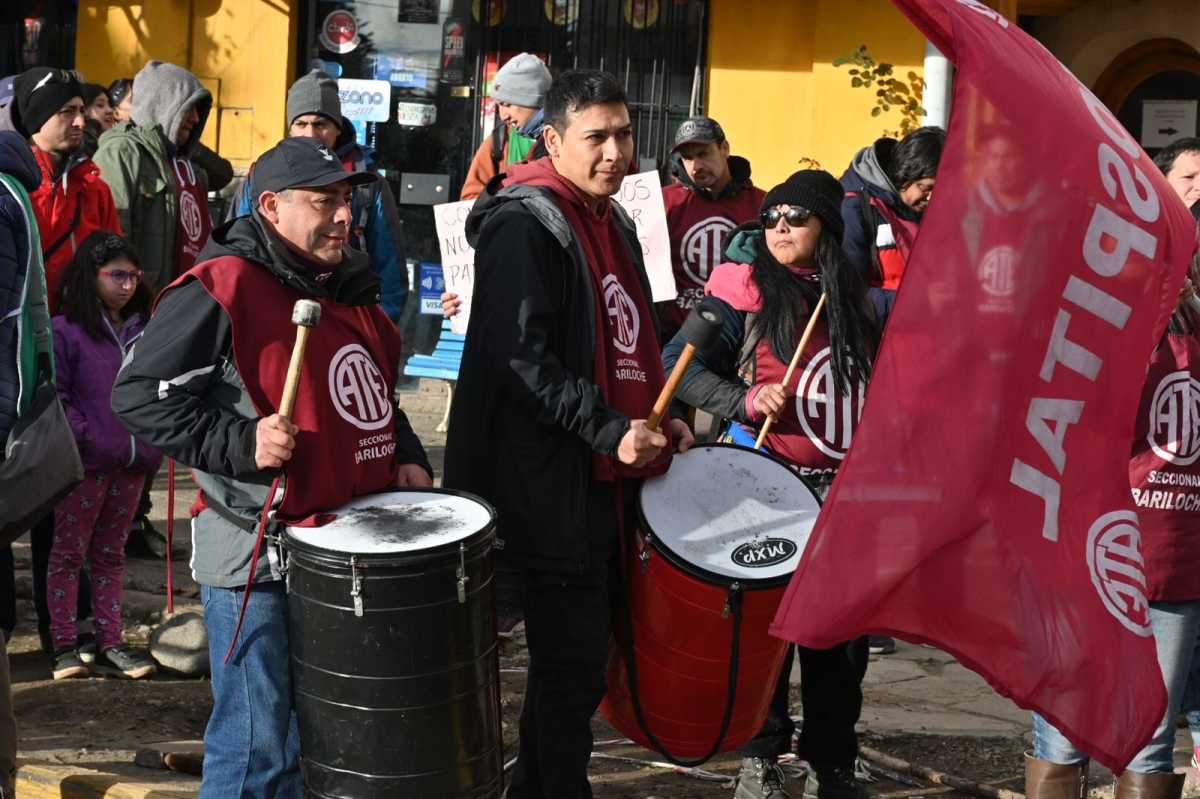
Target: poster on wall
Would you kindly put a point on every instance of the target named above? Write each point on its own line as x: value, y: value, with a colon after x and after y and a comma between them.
x: 641, y: 14
x: 640, y: 196
x: 416, y: 115
x: 418, y: 12
x: 1164, y: 121
x: 454, y: 51
x: 495, y: 9
x: 563, y: 13
x: 339, y: 32
x: 367, y: 100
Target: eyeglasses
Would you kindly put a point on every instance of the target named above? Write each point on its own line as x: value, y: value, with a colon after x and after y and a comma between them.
x: 796, y: 217
x: 123, y: 276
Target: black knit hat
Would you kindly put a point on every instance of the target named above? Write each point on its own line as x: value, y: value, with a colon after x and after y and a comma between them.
x: 38, y: 94
x: 90, y: 92
x: 813, y: 189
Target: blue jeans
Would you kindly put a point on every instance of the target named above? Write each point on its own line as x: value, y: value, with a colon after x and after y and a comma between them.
x: 1175, y: 626
x: 252, y: 742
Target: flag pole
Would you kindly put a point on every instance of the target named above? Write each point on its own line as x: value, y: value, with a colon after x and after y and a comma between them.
x: 787, y: 377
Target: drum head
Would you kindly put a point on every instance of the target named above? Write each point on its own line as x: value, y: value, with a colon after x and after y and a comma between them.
x: 397, y: 522
x: 730, y: 513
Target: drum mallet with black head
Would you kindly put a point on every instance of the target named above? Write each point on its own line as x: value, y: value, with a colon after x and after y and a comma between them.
x: 700, y: 330
x: 306, y: 314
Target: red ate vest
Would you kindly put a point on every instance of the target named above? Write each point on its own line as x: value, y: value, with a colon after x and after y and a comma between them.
x: 1164, y: 470
x: 816, y: 426
x: 195, y: 223
x: 347, y: 441
x: 699, y: 229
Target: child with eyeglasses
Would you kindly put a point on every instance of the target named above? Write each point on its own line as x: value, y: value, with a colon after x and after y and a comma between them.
x: 103, y: 308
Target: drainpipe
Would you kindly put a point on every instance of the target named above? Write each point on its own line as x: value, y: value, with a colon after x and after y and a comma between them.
x: 939, y: 87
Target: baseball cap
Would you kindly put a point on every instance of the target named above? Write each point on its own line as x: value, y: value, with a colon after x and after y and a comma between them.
x: 302, y: 163
x: 698, y: 129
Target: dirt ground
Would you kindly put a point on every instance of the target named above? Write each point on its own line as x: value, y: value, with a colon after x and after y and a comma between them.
x: 99, y: 723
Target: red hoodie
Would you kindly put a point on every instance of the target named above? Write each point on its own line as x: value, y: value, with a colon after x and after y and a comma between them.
x: 629, y: 368
x: 55, y: 204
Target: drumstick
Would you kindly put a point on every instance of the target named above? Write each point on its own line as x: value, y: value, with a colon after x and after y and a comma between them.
x: 306, y: 314
x: 700, y: 330
x: 787, y: 376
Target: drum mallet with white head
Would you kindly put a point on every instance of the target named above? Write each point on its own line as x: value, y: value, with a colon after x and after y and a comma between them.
x: 306, y: 314
x: 700, y: 330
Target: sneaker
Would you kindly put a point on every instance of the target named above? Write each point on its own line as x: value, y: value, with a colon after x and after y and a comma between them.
x: 834, y: 783
x: 124, y: 661
x: 881, y: 645
x: 87, y: 647
x: 760, y: 779
x: 67, y: 665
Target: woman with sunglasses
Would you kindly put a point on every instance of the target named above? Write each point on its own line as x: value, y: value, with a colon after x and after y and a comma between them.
x: 775, y: 273
x: 102, y: 310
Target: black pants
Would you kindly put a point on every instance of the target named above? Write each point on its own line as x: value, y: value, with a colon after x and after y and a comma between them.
x: 568, y: 618
x: 831, y: 697
x: 41, y: 538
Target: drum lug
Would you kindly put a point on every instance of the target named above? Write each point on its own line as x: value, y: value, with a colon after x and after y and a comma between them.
x: 735, y: 592
x: 356, y: 586
x: 463, y: 579
x: 644, y: 557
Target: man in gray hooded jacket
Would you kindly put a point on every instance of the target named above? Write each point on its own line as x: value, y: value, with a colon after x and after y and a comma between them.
x: 159, y: 193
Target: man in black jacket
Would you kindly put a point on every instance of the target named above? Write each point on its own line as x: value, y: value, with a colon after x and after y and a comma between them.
x: 561, y: 361
x: 203, y: 384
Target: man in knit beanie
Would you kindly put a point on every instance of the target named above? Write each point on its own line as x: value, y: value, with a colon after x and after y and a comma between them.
x: 519, y: 89
x: 314, y: 110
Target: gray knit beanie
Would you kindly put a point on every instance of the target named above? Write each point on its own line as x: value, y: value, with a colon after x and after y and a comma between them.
x: 522, y: 81
x: 315, y: 93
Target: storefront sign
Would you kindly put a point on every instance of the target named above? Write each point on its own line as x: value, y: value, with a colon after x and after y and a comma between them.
x: 403, y: 72
x: 339, y: 32
x: 495, y: 11
x: 454, y: 49
x: 564, y: 13
x: 431, y: 287
x: 640, y: 196
x: 418, y: 11
x: 641, y: 14
x: 416, y: 115
x: 367, y: 100
x: 1164, y: 121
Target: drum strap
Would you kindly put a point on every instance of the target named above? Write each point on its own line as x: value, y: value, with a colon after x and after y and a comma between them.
x: 735, y: 610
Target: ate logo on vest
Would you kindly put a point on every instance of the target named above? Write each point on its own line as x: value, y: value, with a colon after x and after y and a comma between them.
x: 1114, y: 559
x: 189, y: 210
x: 828, y: 418
x: 1175, y: 419
x: 700, y: 250
x: 622, y: 314
x: 996, y: 271
x: 358, y: 390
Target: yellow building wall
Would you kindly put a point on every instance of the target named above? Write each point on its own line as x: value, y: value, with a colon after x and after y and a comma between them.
x: 242, y: 50
x: 773, y: 88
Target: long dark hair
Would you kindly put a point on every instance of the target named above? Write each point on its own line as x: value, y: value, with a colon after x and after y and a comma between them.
x: 788, y: 299
x: 77, y: 297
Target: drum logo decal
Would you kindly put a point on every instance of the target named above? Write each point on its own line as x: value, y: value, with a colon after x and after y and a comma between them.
x: 622, y: 314
x: 764, y: 553
x: 1175, y: 419
x: 1115, y: 562
x: 702, y: 246
x: 828, y: 418
x: 358, y: 390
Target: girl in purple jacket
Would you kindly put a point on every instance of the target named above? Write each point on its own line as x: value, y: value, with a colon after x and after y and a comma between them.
x: 102, y: 309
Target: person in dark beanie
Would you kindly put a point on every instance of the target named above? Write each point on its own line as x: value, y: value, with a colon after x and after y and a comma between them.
x: 888, y: 187
x: 161, y: 197
x: 519, y: 90
x: 98, y: 116
x: 776, y: 269
x: 314, y: 110
x: 713, y: 196
x: 548, y: 421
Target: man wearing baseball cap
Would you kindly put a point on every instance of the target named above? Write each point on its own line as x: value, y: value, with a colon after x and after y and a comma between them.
x: 203, y: 384
x: 314, y: 110
x: 713, y: 196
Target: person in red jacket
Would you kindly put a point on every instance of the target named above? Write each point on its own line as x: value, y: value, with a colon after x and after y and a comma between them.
x: 713, y: 196
x: 72, y: 201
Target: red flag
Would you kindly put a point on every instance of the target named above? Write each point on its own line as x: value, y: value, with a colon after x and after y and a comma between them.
x: 985, y: 506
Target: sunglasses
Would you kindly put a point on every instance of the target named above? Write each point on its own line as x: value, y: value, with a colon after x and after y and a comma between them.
x: 123, y: 276
x: 796, y: 217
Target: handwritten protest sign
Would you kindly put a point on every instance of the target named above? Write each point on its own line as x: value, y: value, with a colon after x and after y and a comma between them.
x: 640, y: 196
